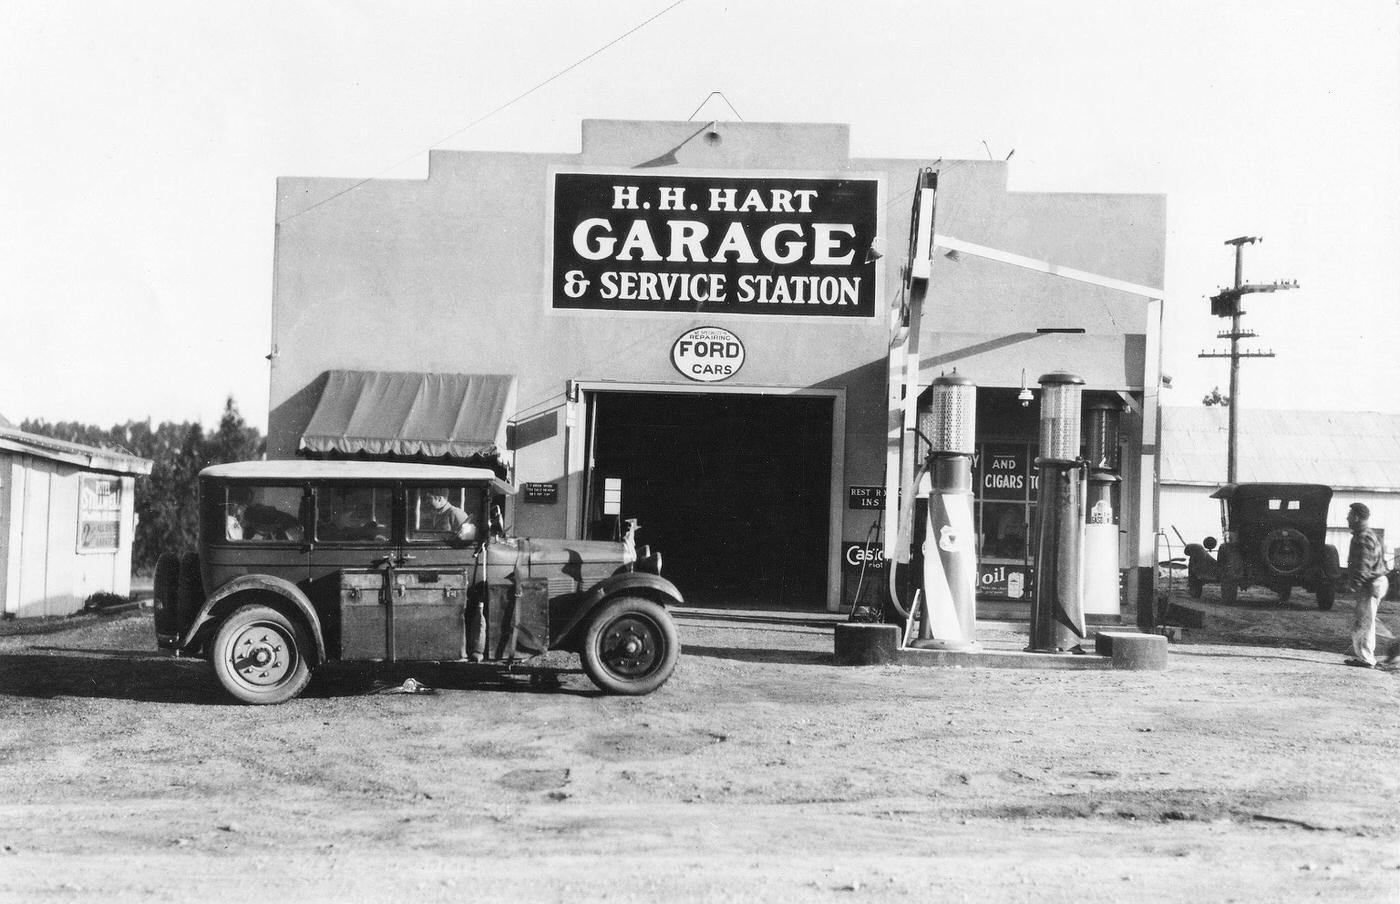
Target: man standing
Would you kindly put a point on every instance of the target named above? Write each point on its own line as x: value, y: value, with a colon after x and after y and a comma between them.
x: 1366, y: 574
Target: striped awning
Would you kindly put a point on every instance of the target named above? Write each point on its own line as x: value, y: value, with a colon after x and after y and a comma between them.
x: 382, y: 412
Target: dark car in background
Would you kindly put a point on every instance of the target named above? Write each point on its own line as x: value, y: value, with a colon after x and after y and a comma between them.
x: 301, y: 563
x: 1275, y: 536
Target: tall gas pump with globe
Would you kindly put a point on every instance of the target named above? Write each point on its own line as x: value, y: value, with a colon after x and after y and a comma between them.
x: 1101, y: 575
x: 949, y: 584
x: 1057, y: 608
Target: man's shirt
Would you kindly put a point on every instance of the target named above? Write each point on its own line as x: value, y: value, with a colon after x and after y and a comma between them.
x: 1365, y: 560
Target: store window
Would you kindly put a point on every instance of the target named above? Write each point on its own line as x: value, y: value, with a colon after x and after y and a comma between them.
x: 1006, y: 485
x: 99, y: 513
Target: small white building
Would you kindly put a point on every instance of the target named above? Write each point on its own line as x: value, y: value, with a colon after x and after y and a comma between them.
x: 67, y: 517
x: 1356, y: 453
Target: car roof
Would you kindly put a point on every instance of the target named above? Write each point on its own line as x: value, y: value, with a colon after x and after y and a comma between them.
x: 1260, y: 490
x: 303, y: 469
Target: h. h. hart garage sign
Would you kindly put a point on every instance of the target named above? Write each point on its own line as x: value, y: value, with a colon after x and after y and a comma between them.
x: 715, y: 243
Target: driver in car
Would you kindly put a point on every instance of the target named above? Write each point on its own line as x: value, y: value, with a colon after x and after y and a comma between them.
x: 448, y: 518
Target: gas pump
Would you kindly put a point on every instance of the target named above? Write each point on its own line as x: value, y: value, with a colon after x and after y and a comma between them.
x: 1101, y: 575
x: 1057, y: 610
x: 950, y: 557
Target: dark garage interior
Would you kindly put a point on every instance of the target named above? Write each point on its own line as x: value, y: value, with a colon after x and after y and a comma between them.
x: 733, y: 489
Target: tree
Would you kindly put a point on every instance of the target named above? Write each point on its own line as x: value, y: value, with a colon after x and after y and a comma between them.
x: 1216, y: 397
x: 167, y: 499
x: 234, y: 440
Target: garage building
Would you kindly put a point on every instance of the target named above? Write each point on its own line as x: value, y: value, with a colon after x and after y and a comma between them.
x: 698, y: 318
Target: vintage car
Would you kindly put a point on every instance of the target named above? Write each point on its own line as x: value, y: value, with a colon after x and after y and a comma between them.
x: 301, y: 563
x: 1275, y: 536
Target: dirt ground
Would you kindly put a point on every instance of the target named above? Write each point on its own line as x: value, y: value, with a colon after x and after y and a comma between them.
x: 1255, y: 768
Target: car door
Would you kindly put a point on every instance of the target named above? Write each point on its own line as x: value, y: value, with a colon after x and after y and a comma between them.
x: 353, y: 548
x: 433, y: 572
x: 257, y: 528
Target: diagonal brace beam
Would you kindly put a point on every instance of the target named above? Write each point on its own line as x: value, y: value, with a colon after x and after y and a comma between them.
x: 948, y: 243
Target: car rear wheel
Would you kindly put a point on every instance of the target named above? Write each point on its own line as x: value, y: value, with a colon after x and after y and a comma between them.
x: 259, y: 656
x: 630, y: 646
x: 1326, y: 596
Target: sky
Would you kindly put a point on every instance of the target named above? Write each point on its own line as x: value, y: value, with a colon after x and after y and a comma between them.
x: 142, y: 141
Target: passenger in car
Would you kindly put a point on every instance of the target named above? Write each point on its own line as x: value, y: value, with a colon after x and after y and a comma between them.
x: 233, y: 520
x: 359, y: 524
x: 263, y: 522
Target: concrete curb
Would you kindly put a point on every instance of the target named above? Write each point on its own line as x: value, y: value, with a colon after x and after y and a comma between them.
x: 873, y: 644
x: 866, y: 644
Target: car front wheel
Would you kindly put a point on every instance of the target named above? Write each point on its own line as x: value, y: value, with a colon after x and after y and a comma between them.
x: 259, y: 656
x: 630, y: 646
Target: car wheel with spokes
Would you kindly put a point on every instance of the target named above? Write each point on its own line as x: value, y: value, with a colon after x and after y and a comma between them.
x: 259, y: 656
x: 630, y: 646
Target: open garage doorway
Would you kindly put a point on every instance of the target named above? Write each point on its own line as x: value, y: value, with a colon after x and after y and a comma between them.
x: 734, y: 490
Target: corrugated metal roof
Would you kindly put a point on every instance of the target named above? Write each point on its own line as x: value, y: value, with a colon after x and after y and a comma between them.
x: 91, y: 457
x: 1347, y: 450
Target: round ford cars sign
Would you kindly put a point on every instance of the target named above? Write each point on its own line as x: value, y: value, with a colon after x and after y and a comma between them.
x: 708, y: 354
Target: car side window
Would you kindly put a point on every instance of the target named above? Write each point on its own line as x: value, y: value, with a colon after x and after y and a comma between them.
x: 262, y: 514
x: 354, y: 514
x: 444, y: 514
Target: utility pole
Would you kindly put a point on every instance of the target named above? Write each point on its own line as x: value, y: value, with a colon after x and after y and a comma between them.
x: 1227, y: 304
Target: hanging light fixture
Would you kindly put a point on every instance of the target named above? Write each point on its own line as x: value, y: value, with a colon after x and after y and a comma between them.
x: 1025, y: 395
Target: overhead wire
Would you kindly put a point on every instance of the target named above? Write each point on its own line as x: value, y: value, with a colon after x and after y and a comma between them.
x: 480, y: 119
x: 707, y: 100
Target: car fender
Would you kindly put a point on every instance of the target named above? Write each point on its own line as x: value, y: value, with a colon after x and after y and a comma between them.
x: 1230, y: 562
x: 261, y: 584
x: 638, y: 583
x: 1331, y: 563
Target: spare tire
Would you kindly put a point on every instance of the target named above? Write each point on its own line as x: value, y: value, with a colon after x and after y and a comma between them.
x: 1285, y: 551
x: 189, y: 594
x: 165, y: 592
